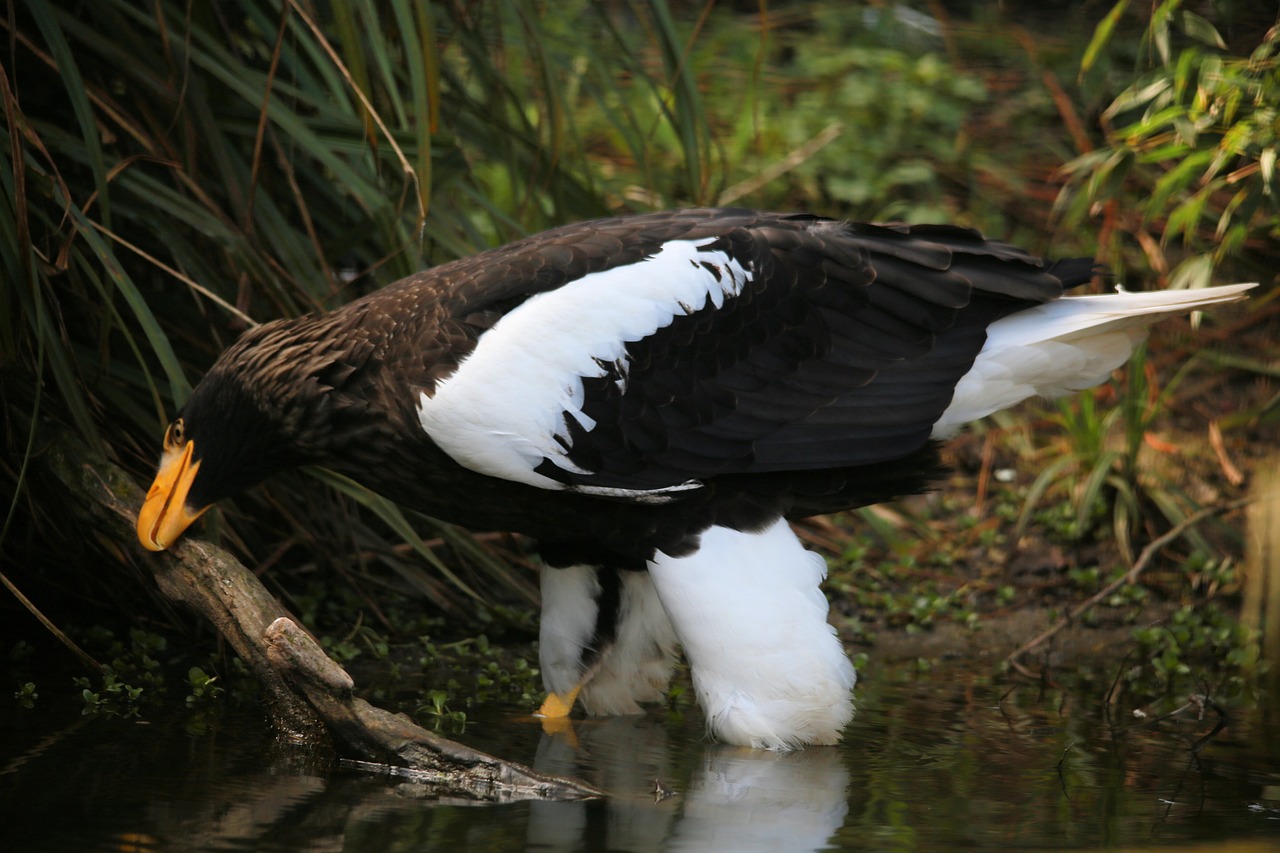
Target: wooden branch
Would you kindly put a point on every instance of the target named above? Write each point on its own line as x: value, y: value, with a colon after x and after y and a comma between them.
x: 444, y: 766
x: 308, y: 695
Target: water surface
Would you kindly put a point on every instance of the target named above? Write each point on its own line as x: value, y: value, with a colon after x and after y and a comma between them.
x: 938, y: 760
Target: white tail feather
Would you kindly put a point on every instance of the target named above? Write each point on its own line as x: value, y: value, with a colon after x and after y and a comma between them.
x: 1065, y: 345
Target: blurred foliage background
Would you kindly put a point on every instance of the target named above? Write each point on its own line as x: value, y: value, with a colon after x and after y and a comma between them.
x: 174, y: 172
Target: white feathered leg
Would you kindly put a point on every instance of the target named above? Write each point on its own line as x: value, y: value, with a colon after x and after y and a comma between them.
x: 634, y: 666
x: 768, y: 669
x: 570, y: 603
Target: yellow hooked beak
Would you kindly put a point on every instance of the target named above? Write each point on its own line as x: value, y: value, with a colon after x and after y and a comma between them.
x: 164, y: 514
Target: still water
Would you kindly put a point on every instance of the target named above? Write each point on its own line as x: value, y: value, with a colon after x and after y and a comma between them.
x: 935, y: 760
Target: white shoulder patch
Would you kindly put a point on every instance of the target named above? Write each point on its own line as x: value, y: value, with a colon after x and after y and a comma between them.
x: 502, y: 411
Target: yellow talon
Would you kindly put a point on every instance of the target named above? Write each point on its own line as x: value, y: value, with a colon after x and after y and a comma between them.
x: 559, y: 705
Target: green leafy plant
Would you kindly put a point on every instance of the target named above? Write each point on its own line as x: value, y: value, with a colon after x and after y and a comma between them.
x: 1190, y: 154
x: 442, y: 717
x: 202, y: 687
x: 27, y: 695
x: 115, y: 698
x: 1097, y: 469
x: 1195, y: 640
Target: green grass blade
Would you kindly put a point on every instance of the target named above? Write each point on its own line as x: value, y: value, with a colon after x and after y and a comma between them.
x: 180, y: 388
x: 394, y: 518
x: 1039, y: 487
x: 64, y: 57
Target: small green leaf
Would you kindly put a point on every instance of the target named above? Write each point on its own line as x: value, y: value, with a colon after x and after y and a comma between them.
x: 1102, y: 35
x: 1185, y: 218
x: 1267, y: 165
x: 1201, y: 30
x: 1158, y: 30
x: 1137, y: 95
x: 1195, y: 272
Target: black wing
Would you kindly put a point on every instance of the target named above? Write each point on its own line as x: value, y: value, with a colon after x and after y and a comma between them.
x: 843, y: 350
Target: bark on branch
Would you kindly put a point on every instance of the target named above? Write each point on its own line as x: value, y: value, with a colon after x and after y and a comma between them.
x: 308, y: 694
